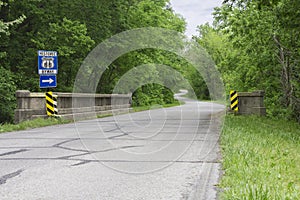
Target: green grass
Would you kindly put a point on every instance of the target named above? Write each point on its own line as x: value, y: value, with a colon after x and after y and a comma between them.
x: 39, y: 122
x: 104, y: 115
x: 143, y: 108
x: 261, y: 158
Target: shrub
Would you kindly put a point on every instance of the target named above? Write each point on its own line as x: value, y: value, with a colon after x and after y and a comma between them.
x: 7, y: 96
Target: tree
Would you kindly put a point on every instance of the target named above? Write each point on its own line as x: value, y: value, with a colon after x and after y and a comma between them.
x: 140, y: 14
x: 7, y: 95
x: 7, y: 84
x: 75, y: 27
x: 265, y: 35
x: 5, y: 25
x: 71, y: 50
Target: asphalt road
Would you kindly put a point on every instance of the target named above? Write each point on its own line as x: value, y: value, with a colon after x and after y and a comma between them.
x: 167, y: 154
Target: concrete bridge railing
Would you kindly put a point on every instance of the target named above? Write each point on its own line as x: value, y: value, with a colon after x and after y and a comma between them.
x: 251, y: 103
x: 33, y: 105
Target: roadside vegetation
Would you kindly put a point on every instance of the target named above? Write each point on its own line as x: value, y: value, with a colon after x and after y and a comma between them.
x: 143, y: 108
x: 29, y: 26
x: 35, y: 123
x: 255, y: 45
x: 260, y: 158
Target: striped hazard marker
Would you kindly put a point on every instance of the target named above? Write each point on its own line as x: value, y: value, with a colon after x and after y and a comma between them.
x: 51, y: 104
x: 234, y: 100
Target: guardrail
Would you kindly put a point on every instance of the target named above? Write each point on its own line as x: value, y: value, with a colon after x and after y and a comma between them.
x: 32, y: 105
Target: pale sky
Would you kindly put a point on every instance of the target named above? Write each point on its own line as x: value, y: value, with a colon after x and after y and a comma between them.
x: 195, y: 12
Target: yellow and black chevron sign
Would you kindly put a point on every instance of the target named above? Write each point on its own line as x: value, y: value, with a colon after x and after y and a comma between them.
x: 234, y: 100
x: 51, y: 104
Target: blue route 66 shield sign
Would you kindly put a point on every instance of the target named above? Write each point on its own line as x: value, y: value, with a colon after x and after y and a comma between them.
x: 47, y: 62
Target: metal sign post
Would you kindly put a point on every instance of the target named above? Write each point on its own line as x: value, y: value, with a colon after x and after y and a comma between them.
x: 47, y: 69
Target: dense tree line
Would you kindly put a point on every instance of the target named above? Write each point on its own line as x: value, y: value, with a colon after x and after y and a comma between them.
x: 255, y: 44
x: 74, y: 28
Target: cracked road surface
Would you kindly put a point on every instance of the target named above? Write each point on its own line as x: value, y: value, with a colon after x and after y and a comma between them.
x: 167, y: 154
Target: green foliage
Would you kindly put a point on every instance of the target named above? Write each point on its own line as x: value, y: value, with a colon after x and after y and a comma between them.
x: 260, y: 158
x: 154, y: 13
x: 7, y: 95
x: 143, y: 14
x: 152, y: 94
x: 150, y: 107
x: 255, y: 46
x: 197, y: 83
x: 73, y: 28
x: 36, y: 123
x: 4, y: 25
x: 71, y: 50
x: 4, y: 30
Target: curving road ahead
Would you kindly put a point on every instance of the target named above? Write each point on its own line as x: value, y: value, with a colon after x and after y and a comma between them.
x: 167, y: 154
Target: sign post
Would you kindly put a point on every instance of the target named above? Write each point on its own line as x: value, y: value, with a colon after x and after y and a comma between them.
x: 48, y: 69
